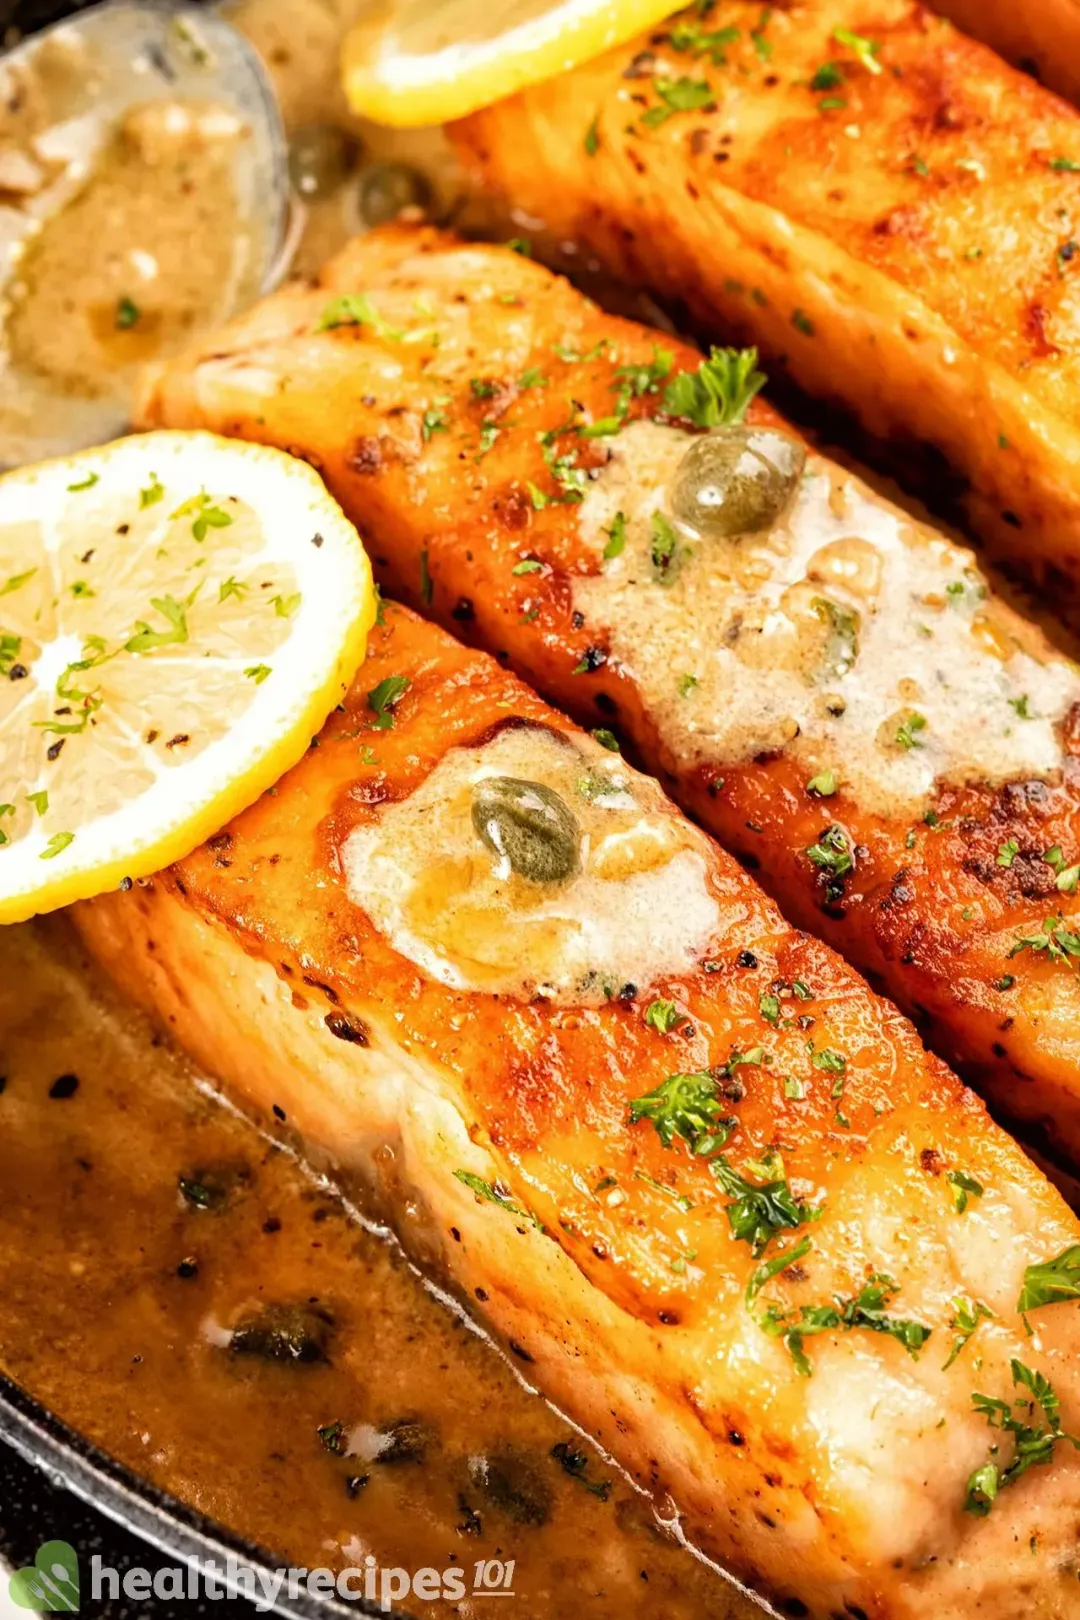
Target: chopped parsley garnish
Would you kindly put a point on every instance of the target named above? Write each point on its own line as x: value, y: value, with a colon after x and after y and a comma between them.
x: 127, y: 313
x: 1049, y: 1282
x: 16, y: 581
x: 762, y: 46
x: 769, y: 1007
x: 286, y: 606
x: 39, y: 800
x: 153, y: 492
x: 532, y: 377
x: 432, y: 422
x: 383, y: 699
x: 967, y: 1314
x: 685, y: 1105
x: 231, y: 587
x: 56, y: 845
x: 495, y: 1195
x: 828, y: 76
x: 616, y: 537
x: 146, y: 639
x: 10, y: 647
x: 866, y: 1310
x: 663, y: 1016
x: 842, y: 642
x: 81, y: 588
x: 206, y: 514
x: 86, y: 483
x: 592, y: 659
x: 1065, y: 165
x: 1022, y: 706
x: 907, y: 732
x: 489, y: 432
x: 607, y: 739
x: 676, y: 96
x: 687, y: 684
x: 962, y: 1187
x: 520, y: 245
x: 1034, y: 1443
x: 759, y: 1210
x: 258, y: 673
x: 84, y: 704
x: 719, y: 391
x: 823, y: 785
x: 592, y: 137
x: 1061, y: 944
x: 356, y: 309
x: 483, y: 387
x: 832, y: 1062
x: 333, y: 1438
x: 832, y: 854
x: 691, y: 39
x: 1007, y: 852
x: 772, y: 1267
x: 1067, y: 877
x: 866, y: 50
x: 664, y: 545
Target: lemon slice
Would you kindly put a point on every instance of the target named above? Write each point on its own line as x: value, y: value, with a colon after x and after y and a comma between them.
x: 411, y: 62
x: 178, y: 615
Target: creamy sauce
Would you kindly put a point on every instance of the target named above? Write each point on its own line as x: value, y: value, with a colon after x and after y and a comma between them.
x: 143, y: 1333
x: 638, y: 907
x: 848, y: 635
x: 141, y: 256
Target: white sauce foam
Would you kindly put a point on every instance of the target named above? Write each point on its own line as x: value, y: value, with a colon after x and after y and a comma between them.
x: 739, y: 617
x: 640, y: 907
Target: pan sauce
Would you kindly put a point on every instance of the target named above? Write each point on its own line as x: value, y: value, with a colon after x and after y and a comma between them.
x: 145, y: 1227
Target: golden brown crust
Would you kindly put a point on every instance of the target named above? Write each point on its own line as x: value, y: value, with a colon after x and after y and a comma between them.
x: 630, y: 1297
x: 929, y: 913
x: 901, y: 241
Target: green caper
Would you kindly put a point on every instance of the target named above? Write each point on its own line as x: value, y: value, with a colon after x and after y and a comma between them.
x: 529, y: 826
x: 321, y: 156
x: 736, y: 480
x: 387, y: 188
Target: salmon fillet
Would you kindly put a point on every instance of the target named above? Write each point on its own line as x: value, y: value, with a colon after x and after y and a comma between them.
x: 1043, y: 39
x: 919, y: 851
x: 879, y: 203
x: 689, y: 1168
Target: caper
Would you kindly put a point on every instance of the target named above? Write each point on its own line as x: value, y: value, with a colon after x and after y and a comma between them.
x: 512, y: 1484
x: 284, y: 1333
x: 529, y: 826
x: 387, y: 188
x: 736, y: 480
x: 321, y: 157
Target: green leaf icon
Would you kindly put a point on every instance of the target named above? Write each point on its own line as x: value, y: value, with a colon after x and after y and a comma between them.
x: 51, y: 1584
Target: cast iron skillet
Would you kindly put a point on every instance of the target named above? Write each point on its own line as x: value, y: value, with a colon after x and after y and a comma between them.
x: 181, y: 1534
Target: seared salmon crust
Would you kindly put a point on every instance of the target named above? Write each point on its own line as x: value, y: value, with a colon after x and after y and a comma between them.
x: 784, y: 1328
x: 447, y: 431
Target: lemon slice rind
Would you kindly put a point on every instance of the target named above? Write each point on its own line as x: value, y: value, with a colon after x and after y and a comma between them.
x: 326, y: 606
x: 409, y: 65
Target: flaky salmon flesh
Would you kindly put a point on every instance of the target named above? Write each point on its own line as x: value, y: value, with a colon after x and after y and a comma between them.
x: 880, y: 203
x: 840, y: 697
x: 689, y: 1168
